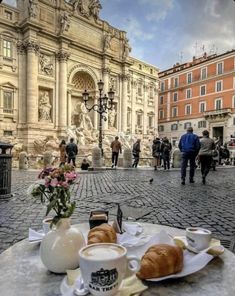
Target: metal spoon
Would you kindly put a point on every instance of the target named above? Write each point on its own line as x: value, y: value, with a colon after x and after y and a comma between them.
x: 82, y: 290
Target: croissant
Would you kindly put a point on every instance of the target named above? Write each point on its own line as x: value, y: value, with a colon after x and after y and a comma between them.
x: 103, y: 233
x: 160, y: 260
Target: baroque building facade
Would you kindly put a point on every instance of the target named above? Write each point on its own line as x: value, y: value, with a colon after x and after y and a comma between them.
x: 200, y: 94
x: 50, y: 52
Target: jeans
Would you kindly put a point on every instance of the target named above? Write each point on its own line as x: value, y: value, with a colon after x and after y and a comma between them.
x: 188, y: 156
x: 73, y: 160
x: 136, y: 160
x: 114, y: 158
x: 166, y: 161
x: 206, y: 161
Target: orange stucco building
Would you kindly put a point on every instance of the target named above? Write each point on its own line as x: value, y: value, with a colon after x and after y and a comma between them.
x: 200, y: 94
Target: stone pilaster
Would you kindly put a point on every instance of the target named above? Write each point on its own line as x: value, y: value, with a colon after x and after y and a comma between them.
x: 145, y: 114
x: 32, y: 49
x: 133, y: 103
x: 69, y: 108
x: 124, y: 79
x: 22, y: 111
x: 106, y: 72
x: 62, y: 57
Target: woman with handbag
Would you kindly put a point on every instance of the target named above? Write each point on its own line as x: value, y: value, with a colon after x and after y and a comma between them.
x: 205, y: 154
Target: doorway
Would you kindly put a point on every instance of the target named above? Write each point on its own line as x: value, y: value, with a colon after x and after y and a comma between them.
x: 218, y: 132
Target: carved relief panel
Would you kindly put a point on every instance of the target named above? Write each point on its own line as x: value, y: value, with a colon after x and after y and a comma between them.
x: 46, y: 64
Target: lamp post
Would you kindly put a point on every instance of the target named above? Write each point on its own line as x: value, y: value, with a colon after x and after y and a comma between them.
x: 104, y: 104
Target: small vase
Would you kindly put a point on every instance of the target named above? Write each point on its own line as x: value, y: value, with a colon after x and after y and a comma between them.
x: 59, y: 248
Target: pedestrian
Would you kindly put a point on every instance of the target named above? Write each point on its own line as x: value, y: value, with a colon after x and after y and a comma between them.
x: 116, y: 147
x: 136, y: 153
x: 189, y: 146
x: 166, y: 148
x: 85, y: 165
x: 205, y: 154
x: 63, y: 155
x: 72, y: 151
x: 156, y: 153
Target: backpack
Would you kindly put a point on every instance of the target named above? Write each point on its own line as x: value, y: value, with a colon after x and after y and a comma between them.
x: 166, y: 148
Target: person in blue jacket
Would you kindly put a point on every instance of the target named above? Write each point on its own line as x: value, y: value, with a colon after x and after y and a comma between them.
x: 189, y: 146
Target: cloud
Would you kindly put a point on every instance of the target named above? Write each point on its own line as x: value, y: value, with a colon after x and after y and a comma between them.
x: 136, y: 30
x: 158, y: 10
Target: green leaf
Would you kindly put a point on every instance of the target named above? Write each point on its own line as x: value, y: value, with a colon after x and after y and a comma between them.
x: 51, y: 206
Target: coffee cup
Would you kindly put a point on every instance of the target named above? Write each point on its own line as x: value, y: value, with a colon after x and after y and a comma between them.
x: 46, y: 225
x: 198, y: 238
x: 103, y: 267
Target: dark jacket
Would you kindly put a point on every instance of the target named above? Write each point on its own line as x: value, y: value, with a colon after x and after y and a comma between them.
x: 166, y: 148
x: 156, y: 148
x: 136, y: 149
x: 72, y: 150
x: 189, y: 142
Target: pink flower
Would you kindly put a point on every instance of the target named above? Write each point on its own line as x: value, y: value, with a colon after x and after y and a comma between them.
x: 64, y: 184
x: 54, y: 182
x: 70, y: 176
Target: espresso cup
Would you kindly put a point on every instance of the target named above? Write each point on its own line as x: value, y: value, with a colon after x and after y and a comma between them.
x: 103, y: 267
x: 198, y: 238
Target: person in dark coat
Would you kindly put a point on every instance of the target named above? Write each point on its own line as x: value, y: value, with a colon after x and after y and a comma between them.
x: 166, y: 148
x: 189, y: 146
x: 85, y: 165
x: 72, y: 151
x: 156, y: 153
x: 136, y: 153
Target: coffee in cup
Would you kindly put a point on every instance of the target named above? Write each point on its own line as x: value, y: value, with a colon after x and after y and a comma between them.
x: 103, y: 267
x: 198, y: 238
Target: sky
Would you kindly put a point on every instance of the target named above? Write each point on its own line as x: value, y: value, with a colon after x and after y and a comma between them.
x: 164, y: 32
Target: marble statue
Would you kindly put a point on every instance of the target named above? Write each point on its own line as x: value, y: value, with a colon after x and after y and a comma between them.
x: 64, y: 21
x: 112, y: 118
x: 95, y: 7
x: 126, y: 49
x: 85, y: 120
x: 107, y: 41
x: 71, y: 133
x: 44, y: 107
x: 81, y: 7
x: 33, y: 8
x: 80, y: 136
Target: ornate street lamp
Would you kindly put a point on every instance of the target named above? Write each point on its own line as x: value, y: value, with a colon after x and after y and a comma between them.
x: 104, y: 104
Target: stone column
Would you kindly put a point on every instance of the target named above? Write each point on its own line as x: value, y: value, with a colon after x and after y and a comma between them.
x: 69, y: 108
x: 124, y: 103
x: 133, y: 115
x: 106, y: 72
x: 145, y: 114
x: 62, y: 56
x: 32, y: 49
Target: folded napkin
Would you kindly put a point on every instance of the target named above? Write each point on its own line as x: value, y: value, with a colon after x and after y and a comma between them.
x: 127, y: 240
x: 35, y: 236
x: 130, y: 286
x: 132, y: 228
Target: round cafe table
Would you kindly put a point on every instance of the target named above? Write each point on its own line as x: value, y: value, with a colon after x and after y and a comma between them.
x: 23, y: 274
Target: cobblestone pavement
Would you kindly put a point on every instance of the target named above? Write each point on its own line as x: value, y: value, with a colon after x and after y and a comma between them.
x: 164, y: 201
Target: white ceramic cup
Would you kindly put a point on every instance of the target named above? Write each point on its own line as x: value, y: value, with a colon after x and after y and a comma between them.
x: 198, y: 238
x: 46, y: 223
x: 103, y: 267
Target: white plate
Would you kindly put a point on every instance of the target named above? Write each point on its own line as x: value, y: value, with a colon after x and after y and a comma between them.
x: 192, y: 262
